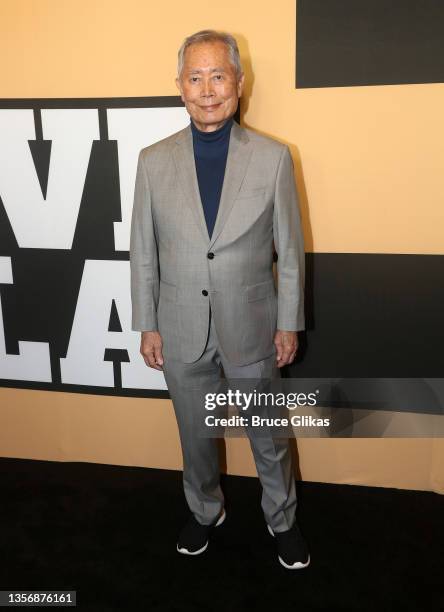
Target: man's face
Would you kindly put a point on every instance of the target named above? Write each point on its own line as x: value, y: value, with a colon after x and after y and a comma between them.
x: 208, y: 85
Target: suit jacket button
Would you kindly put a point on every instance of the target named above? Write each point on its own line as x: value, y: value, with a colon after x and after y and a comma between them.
x: 210, y: 255
x: 204, y: 292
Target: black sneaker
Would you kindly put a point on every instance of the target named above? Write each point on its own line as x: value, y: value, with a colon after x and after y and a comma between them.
x: 193, y: 538
x: 292, y: 548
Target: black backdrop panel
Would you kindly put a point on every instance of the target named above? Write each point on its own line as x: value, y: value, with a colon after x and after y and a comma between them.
x: 342, y: 43
x: 373, y: 315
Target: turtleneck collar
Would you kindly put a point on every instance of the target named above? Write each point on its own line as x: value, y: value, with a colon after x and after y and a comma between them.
x: 216, y: 136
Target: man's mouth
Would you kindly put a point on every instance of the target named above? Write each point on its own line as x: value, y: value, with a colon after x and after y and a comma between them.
x: 210, y: 107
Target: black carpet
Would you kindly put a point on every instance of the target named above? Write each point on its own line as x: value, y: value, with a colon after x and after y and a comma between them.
x: 109, y: 532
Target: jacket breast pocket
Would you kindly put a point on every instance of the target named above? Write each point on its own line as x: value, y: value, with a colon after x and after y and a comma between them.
x: 260, y: 290
x: 256, y: 192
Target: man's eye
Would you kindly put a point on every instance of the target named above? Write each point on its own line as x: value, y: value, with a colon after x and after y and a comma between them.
x: 194, y: 79
x: 218, y: 77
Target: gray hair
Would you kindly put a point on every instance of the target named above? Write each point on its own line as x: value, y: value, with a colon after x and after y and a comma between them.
x: 211, y: 36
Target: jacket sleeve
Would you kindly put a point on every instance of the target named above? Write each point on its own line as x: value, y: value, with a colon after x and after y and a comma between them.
x: 289, y: 245
x: 144, y: 263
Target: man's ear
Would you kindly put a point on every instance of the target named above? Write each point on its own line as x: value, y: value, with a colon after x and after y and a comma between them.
x: 179, y: 87
x: 240, y: 84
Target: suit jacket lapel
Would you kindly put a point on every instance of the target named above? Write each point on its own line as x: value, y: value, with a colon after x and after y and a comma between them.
x: 239, y: 153
x: 183, y: 154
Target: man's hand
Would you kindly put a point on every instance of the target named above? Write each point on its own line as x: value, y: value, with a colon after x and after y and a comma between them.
x: 286, y: 343
x: 151, y: 349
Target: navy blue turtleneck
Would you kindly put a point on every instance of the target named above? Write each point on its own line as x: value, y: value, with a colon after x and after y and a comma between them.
x: 210, y: 155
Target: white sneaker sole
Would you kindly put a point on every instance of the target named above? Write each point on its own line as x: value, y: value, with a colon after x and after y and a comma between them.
x: 297, y: 565
x: 185, y: 551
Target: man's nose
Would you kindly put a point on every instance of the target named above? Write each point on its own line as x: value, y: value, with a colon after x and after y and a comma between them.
x: 207, y: 88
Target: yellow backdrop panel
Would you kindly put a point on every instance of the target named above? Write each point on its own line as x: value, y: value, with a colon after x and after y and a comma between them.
x: 369, y: 168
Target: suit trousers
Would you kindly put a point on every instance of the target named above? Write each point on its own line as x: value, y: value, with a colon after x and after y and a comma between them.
x: 201, y: 472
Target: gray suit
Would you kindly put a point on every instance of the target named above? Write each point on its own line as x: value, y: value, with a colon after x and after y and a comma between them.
x: 169, y: 234
x: 179, y: 277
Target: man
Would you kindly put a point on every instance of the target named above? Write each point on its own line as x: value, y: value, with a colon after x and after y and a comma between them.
x: 209, y: 202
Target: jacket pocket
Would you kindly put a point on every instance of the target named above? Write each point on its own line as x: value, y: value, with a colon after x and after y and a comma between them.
x: 167, y: 291
x: 260, y: 290
x: 257, y: 192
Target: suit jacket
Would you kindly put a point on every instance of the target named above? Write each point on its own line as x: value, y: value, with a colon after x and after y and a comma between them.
x: 177, y: 271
